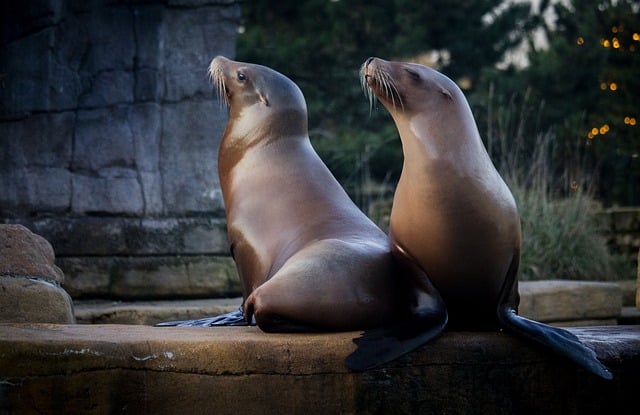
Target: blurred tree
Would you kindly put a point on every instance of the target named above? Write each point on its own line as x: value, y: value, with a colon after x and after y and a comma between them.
x: 587, y: 81
x: 321, y: 44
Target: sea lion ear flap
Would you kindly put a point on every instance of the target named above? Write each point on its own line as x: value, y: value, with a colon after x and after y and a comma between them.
x: 446, y: 93
x: 263, y: 99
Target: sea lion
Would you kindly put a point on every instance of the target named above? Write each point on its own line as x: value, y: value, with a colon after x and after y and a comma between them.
x: 308, y: 258
x: 453, y: 218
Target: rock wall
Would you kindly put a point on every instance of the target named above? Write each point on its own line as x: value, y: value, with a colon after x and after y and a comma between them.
x: 623, y: 230
x: 109, y: 132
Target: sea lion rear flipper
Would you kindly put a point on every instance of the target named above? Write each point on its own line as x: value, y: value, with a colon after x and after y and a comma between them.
x: 382, y: 345
x: 427, y: 319
x: 559, y: 340
x: 234, y: 318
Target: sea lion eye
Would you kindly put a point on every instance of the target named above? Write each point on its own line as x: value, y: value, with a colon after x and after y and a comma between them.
x: 241, y: 77
x: 414, y: 75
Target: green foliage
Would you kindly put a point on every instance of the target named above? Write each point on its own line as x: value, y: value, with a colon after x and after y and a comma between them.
x: 321, y: 44
x: 587, y: 80
x: 561, y: 236
x: 563, y: 239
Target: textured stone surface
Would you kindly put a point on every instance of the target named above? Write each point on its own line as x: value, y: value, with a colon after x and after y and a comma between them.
x: 628, y: 291
x: 150, y: 312
x: 25, y: 254
x: 157, y: 277
x: 623, y: 230
x: 570, y: 301
x: 550, y: 300
x: 126, y: 258
x: 103, y: 236
x: 109, y: 131
x: 137, y: 369
x: 34, y: 300
x: 29, y: 279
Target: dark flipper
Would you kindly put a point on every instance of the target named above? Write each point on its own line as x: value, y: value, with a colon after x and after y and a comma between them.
x: 234, y: 318
x: 428, y: 320
x: 382, y: 345
x: 559, y: 340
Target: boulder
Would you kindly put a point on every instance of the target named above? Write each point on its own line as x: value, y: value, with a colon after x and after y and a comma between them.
x: 30, y: 281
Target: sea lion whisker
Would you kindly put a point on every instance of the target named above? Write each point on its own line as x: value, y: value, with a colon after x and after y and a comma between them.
x: 391, y: 90
x: 218, y: 79
x: 367, y: 89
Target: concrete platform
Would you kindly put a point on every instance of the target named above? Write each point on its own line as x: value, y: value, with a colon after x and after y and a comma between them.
x: 150, y: 312
x: 556, y: 302
x: 96, y: 369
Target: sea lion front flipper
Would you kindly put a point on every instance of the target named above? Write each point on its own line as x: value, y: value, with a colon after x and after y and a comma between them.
x: 382, y: 345
x: 559, y: 340
x: 234, y: 318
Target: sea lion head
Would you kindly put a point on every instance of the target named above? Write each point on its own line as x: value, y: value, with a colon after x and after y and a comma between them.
x: 405, y: 88
x: 258, y: 98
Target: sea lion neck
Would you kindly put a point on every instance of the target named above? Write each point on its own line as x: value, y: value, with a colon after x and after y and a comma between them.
x: 244, y: 133
x: 252, y: 126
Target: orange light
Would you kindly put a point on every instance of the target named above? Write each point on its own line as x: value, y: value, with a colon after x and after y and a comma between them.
x: 636, y: 37
x: 632, y: 121
x: 594, y: 131
x: 603, y: 86
x: 613, y: 86
x: 580, y: 40
x: 606, y: 43
x: 616, y: 43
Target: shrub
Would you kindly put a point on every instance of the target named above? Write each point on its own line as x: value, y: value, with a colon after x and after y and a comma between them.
x: 561, y: 238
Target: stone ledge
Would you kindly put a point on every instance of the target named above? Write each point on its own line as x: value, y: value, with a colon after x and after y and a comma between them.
x: 556, y: 302
x: 150, y: 277
x: 150, y: 312
x: 138, y: 369
x: 564, y: 302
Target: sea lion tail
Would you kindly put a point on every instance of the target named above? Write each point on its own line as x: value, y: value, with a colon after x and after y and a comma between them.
x: 559, y: 340
x: 234, y: 318
x: 382, y: 345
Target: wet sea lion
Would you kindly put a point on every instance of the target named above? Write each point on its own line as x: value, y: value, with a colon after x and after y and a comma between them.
x: 307, y: 257
x: 453, y: 219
